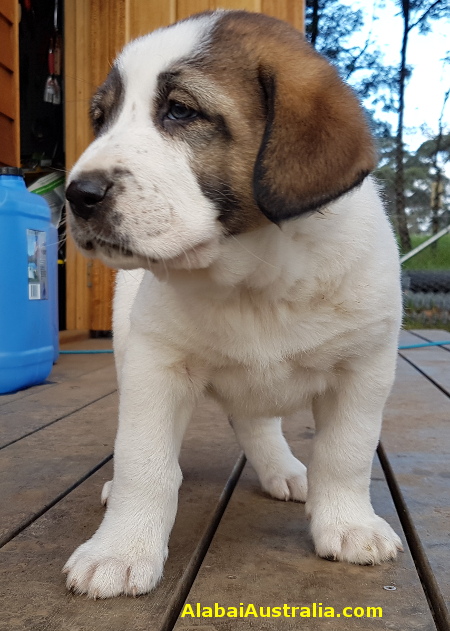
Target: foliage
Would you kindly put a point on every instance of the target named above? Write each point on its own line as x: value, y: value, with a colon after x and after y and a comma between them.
x: 421, y: 12
x: 329, y: 27
x: 415, y: 14
x: 408, y: 178
x: 419, y: 174
x: 432, y: 258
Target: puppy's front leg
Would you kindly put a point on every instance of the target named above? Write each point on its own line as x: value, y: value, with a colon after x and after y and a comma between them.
x: 344, y: 525
x: 127, y: 553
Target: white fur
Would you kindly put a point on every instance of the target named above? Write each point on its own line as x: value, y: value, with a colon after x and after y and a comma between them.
x: 268, y: 321
x: 172, y: 185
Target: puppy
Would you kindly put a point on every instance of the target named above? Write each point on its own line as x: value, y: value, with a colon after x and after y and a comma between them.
x: 230, y: 173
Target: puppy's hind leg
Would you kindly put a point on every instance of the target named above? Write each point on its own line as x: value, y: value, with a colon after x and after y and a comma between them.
x: 280, y: 473
x: 106, y: 491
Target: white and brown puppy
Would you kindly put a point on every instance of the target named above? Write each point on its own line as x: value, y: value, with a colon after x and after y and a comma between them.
x: 229, y: 173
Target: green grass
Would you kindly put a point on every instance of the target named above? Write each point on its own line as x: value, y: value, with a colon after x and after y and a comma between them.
x: 423, y: 323
x: 434, y: 257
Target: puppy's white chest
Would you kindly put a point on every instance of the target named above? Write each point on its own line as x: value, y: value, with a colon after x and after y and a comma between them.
x: 276, y: 389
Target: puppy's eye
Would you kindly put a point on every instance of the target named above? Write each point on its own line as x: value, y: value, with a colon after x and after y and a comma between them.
x: 180, y: 112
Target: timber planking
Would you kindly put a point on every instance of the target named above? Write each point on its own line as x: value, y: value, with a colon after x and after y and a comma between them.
x: 261, y: 552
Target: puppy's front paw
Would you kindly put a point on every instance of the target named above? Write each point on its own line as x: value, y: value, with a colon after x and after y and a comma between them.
x: 286, y: 483
x: 366, y: 543
x: 102, y: 571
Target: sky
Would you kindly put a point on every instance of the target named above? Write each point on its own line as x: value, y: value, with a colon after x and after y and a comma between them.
x: 425, y: 89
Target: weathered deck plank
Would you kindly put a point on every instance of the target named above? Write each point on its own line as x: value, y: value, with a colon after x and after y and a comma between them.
x: 32, y: 583
x: 432, y: 361
x: 39, y: 468
x: 416, y: 437
x: 433, y: 335
x: 67, y: 367
x: 262, y: 554
x: 46, y: 405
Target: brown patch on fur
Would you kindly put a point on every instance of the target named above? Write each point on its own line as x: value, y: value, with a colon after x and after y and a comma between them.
x: 299, y: 138
x: 225, y: 138
x: 107, y: 102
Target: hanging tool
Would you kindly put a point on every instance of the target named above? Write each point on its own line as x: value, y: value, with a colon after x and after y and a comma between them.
x: 52, y: 91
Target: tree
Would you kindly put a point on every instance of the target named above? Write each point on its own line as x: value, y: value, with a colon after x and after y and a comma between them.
x: 415, y: 14
x: 419, y: 181
x: 441, y: 149
x: 426, y: 207
x: 329, y: 27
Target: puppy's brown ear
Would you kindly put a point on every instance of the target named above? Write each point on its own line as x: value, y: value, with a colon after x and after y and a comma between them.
x: 316, y: 144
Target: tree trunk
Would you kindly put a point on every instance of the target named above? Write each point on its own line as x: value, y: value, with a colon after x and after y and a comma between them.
x: 436, y: 202
x: 314, y: 22
x: 400, y: 213
x: 437, y: 184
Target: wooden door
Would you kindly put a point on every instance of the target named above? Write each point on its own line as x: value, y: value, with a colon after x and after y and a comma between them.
x: 9, y: 84
x: 95, y: 31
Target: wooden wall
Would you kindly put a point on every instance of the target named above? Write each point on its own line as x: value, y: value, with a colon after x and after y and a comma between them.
x: 9, y: 84
x: 95, y: 31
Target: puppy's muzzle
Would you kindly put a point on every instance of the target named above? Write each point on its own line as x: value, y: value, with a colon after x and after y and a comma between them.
x: 87, y: 194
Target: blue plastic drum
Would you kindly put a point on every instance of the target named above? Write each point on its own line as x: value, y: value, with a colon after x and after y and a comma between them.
x: 27, y: 285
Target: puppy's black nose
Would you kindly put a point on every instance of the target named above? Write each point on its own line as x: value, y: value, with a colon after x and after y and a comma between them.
x: 86, y: 193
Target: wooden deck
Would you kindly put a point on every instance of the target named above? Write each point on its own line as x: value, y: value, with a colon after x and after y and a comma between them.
x: 231, y: 544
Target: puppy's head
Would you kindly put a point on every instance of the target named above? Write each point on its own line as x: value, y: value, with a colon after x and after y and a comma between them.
x: 211, y: 127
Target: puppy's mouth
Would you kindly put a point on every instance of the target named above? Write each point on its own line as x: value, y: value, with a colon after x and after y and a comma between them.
x: 93, y: 245
x: 115, y: 254
x: 119, y: 255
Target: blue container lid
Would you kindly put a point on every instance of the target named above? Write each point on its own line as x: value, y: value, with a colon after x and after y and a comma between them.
x: 11, y: 171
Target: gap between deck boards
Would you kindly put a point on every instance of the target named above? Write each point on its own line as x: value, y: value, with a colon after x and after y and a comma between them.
x: 428, y: 579
x: 445, y: 335
x: 430, y: 586
x: 183, y: 588
x: 444, y: 389
x: 60, y: 418
x: 10, y: 535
